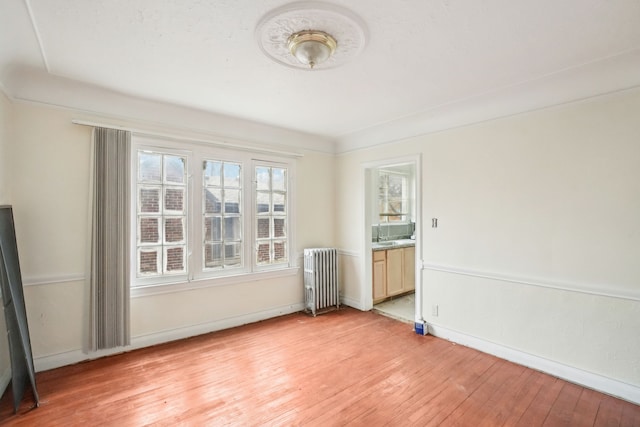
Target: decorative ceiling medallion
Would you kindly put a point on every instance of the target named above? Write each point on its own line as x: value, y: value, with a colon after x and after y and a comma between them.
x: 274, y: 30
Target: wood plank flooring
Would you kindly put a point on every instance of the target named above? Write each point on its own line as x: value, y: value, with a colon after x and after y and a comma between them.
x: 341, y: 368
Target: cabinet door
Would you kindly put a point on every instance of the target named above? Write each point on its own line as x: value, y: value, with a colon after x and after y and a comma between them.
x: 395, y: 272
x: 409, y: 268
x: 379, y: 276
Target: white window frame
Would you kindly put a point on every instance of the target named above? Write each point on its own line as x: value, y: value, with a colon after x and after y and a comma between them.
x: 223, y: 216
x: 197, y: 276
x: 288, y: 207
x: 136, y: 280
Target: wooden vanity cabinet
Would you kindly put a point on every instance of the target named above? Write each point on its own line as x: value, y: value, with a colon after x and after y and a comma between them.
x: 393, y: 272
x: 379, y: 275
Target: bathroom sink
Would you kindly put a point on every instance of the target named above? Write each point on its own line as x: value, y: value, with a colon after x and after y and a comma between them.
x: 385, y: 243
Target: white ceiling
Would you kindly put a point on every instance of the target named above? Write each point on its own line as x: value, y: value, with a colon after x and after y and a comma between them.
x: 427, y: 64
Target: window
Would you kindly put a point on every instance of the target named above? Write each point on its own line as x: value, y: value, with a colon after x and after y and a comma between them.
x: 271, y: 215
x: 161, y: 214
x: 222, y: 214
x: 393, y: 203
x: 205, y: 212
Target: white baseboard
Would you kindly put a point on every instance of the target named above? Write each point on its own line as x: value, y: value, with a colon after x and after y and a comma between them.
x: 597, y: 382
x: 5, y: 379
x: 44, y: 363
x: 352, y: 303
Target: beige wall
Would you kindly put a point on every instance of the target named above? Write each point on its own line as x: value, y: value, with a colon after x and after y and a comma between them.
x: 50, y: 157
x: 5, y: 199
x: 5, y: 107
x: 549, y: 198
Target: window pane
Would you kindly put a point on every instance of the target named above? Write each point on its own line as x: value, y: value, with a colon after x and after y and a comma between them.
x: 149, y: 167
x: 263, y: 178
x: 149, y: 200
x: 278, y: 227
x: 262, y: 202
x: 213, y: 255
x: 212, y: 173
x: 263, y: 228
x: 279, y: 202
x: 149, y: 261
x: 279, y: 251
x: 223, y: 233
x: 232, y: 254
x: 174, y: 199
x: 174, y: 259
x: 162, y: 208
x: 263, y: 253
x: 174, y: 169
x: 173, y: 230
x: 232, y: 228
x: 271, y: 208
x: 212, y: 229
x: 232, y: 201
x: 149, y: 231
x: 278, y: 179
x: 212, y: 200
x: 231, y: 175
x: 395, y: 185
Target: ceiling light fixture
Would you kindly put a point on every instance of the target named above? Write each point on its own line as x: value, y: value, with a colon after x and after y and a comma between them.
x: 311, y: 47
x: 311, y: 35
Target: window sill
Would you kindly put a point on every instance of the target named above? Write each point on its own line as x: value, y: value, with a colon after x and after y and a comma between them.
x: 165, y: 288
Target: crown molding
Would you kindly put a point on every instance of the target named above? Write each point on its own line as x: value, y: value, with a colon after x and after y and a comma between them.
x: 28, y: 85
x: 606, y: 76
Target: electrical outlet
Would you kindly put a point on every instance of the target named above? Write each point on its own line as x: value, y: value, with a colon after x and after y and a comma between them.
x: 434, y: 310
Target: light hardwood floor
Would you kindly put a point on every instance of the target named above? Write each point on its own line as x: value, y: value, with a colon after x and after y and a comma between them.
x: 341, y: 368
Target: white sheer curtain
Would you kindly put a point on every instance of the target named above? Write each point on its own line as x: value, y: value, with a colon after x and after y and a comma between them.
x: 109, y: 264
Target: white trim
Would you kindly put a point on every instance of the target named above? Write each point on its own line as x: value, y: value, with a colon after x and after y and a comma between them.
x: 345, y: 252
x: 44, y: 363
x: 562, y: 88
x: 167, y: 288
x: 367, y: 261
x: 181, y: 138
x: 352, y: 303
x: 600, y: 290
x: 607, y: 385
x: 5, y: 379
x: 51, y: 280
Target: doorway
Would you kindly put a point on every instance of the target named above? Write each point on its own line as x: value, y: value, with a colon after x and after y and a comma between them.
x: 392, y: 261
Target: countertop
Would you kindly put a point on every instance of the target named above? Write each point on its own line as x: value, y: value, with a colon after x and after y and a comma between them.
x: 392, y: 244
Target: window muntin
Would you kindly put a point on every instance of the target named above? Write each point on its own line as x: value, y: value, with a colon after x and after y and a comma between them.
x: 161, y: 214
x: 271, y: 215
x: 222, y: 215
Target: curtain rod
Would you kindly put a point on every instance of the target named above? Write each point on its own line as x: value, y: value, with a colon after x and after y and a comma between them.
x: 187, y: 139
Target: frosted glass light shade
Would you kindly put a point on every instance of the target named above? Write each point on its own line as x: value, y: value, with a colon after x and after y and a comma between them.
x: 312, y: 47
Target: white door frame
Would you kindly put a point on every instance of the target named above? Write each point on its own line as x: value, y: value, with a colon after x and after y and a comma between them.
x: 366, y: 297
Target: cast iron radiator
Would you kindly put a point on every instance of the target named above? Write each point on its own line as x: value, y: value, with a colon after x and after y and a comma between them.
x: 321, y: 290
